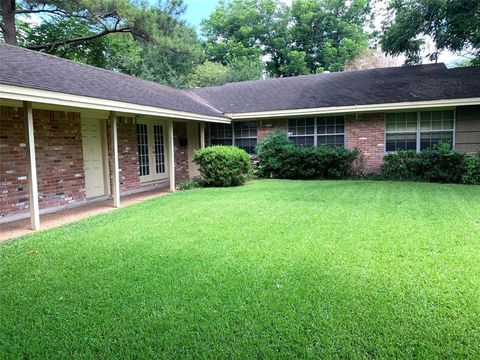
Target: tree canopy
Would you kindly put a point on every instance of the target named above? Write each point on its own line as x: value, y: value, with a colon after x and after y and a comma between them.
x: 453, y: 25
x: 308, y: 36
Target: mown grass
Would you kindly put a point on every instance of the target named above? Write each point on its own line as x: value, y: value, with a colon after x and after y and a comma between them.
x: 274, y: 269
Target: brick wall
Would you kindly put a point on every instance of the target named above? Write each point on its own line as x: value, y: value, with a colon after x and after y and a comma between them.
x: 181, y: 152
x: 266, y: 127
x: 127, y: 154
x: 58, y: 146
x: 367, y: 133
x: 13, y: 164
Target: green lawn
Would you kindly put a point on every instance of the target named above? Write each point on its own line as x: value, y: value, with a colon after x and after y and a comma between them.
x: 273, y: 269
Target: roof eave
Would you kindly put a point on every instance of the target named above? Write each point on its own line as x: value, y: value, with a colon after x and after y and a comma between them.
x: 62, y: 99
x: 355, y: 108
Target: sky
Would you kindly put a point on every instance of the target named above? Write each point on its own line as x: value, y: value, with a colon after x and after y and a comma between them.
x: 197, y: 10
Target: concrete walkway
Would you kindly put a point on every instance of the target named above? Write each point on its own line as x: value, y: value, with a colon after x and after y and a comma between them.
x: 21, y: 227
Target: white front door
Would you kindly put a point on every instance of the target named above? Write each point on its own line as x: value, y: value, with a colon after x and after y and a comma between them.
x: 93, y: 157
x: 152, y: 160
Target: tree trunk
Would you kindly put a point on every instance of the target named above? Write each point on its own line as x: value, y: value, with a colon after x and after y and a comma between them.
x: 8, y: 27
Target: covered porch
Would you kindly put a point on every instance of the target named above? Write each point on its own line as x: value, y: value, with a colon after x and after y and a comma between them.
x: 62, y: 163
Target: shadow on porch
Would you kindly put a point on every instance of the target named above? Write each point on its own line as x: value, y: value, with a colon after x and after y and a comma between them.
x: 18, y: 228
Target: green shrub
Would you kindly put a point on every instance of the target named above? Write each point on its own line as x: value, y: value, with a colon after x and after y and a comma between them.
x: 471, y: 174
x: 223, y: 165
x: 271, y: 153
x: 187, y: 185
x: 399, y: 166
x: 279, y: 158
x: 440, y: 164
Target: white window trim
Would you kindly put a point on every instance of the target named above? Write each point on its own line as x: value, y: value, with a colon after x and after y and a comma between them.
x: 315, y: 129
x: 418, y: 132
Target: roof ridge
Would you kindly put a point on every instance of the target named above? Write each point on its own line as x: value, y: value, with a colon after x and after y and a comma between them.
x: 325, y: 73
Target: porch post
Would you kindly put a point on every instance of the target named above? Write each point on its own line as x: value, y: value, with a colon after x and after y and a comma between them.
x: 116, y: 180
x: 171, y: 156
x: 32, y: 166
x: 202, y: 135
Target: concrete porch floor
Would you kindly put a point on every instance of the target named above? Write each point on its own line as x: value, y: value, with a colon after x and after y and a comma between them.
x: 18, y: 228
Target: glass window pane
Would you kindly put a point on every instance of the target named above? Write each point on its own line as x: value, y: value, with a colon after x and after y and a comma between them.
x: 448, y: 124
x: 436, y: 115
x: 429, y: 140
x: 448, y: 114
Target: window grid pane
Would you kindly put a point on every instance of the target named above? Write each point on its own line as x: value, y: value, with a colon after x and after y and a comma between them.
x: 245, y: 135
x: 159, y: 149
x: 435, y: 126
x: 429, y: 139
x: 143, y: 155
x: 327, y: 131
x: 220, y: 134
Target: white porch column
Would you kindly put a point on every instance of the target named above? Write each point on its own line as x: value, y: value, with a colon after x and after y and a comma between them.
x: 116, y: 175
x: 171, y: 156
x: 32, y: 166
x: 202, y: 135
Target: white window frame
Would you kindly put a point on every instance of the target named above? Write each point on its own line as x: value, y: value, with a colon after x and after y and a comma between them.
x: 153, y: 176
x: 315, y: 129
x: 233, y: 132
x: 418, y: 131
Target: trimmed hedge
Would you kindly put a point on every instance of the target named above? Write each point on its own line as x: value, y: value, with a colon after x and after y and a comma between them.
x: 280, y: 158
x: 441, y: 164
x: 223, y: 165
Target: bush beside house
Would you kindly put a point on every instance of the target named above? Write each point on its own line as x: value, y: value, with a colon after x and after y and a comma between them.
x: 223, y: 165
x: 280, y: 158
x: 441, y: 164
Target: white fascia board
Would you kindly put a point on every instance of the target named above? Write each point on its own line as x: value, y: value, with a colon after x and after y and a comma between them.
x: 56, y: 98
x: 355, y: 109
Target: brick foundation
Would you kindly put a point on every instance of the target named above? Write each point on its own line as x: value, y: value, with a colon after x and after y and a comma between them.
x: 367, y: 133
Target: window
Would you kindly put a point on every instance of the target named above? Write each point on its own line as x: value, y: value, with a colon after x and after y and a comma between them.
x: 151, y: 152
x: 221, y: 134
x: 328, y: 131
x: 418, y: 130
x: 435, y: 126
x: 159, y: 149
x: 240, y: 133
x: 143, y: 153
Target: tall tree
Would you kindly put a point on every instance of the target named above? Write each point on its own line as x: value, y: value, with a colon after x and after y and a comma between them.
x: 307, y: 37
x: 453, y: 25
x: 101, y: 17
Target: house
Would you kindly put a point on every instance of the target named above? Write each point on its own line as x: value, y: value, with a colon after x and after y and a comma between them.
x: 72, y: 133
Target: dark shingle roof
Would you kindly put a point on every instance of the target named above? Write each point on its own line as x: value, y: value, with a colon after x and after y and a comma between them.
x: 40, y: 71
x: 377, y: 86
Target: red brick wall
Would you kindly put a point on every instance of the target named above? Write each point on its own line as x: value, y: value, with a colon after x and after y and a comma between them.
x: 58, y: 146
x: 13, y: 162
x: 367, y: 133
x: 127, y: 154
x: 181, y: 152
x: 266, y: 127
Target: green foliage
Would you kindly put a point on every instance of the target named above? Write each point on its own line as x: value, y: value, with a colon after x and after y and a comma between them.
x: 279, y: 158
x: 223, y: 165
x: 188, y: 185
x: 307, y: 37
x: 453, y: 26
x: 215, y: 74
x: 440, y: 164
x: 471, y: 174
